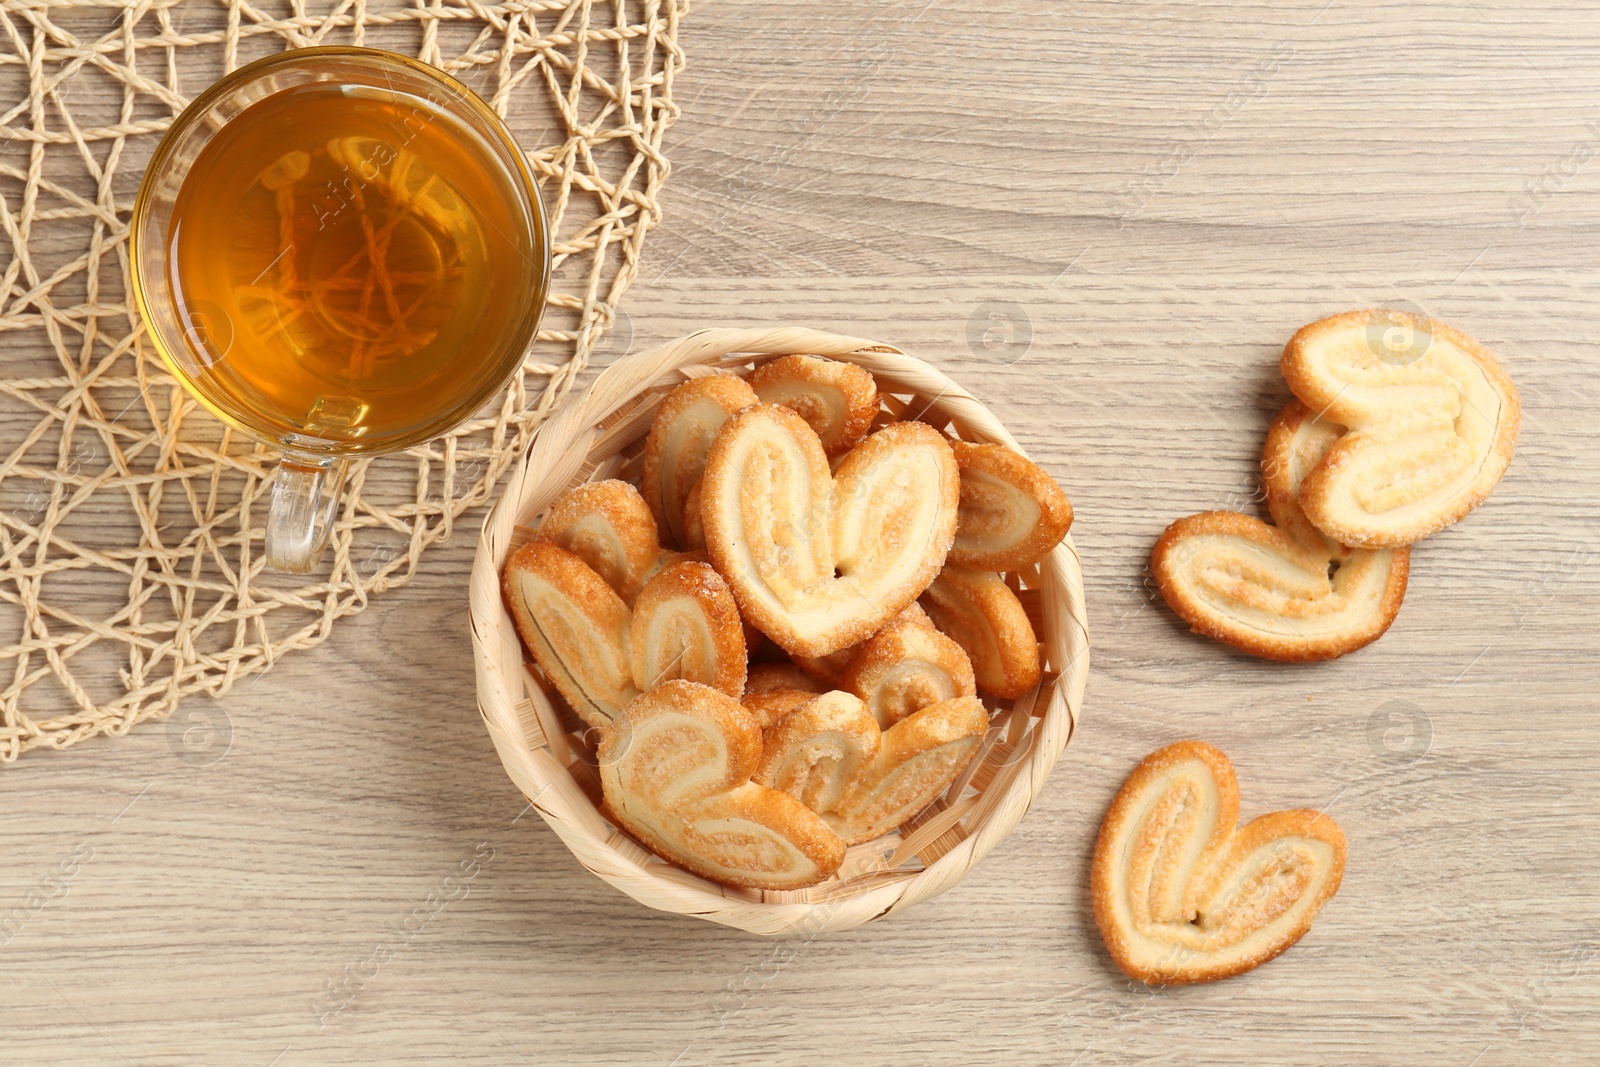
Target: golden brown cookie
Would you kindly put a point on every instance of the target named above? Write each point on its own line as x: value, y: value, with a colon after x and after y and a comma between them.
x: 771, y: 705
x: 820, y: 561
x: 1012, y: 513
x: 980, y: 613
x: 598, y: 653
x: 906, y: 666
x: 575, y: 627
x: 838, y: 400
x: 1284, y: 592
x: 830, y: 753
x: 686, y: 625
x: 1431, y: 422
x: 608, y: 526
x: 1182, y: 893
x: 675, y: 451
x: 772, y: 677
x: 675, y: 769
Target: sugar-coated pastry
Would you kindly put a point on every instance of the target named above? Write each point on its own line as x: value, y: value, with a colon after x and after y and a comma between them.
x: 771, y: 705
x: 694, y: 532
x: 771, y: 677
x: 830, y: 753
x: 598, y: 653
x: 838, y: 400
x: 1285, y: 592
x: 906, y: 666
x: 675, y: 451
x: 575, y: 627
x: 917, y: 760
x: 820, y: 561
x: 1431, y: 422
x: 675, y: 770
x: 686, y: 625
x: 815, y: 750
x: 980, y: 613
x: 608, y: 526
x: 1012, y: 513
x: 1182, y: 893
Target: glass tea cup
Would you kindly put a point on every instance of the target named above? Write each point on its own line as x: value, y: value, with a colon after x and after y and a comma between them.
x: 339, y: 252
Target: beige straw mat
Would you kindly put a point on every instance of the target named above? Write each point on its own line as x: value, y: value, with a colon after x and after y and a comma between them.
x: 130, y: 519
x: 549, y: 754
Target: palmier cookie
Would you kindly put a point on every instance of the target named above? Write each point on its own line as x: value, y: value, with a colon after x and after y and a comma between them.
x: 831, y: 668
x: 1012, y: 513
x: 980, y: 613
x: 1183, y: 894
x: 838, y: 400
x: 675, y: 451
x: 820, y: 561
x: 574, y: 625
x: 865, y: 781
x: 772, y: 690
x: 1283, y: 592
x: 607, y: 525
x: 1431, y: 422
x: 675, y: 771
x: 686, y: 625
x: 906, y: 666
x: 599, y: 654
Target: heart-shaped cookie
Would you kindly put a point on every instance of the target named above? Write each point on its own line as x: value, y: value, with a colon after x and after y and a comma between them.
x: 1012, y: 513
x: 838, y: 400
x: 598, y: 653
x: 981, y: 614
x: 819, y: 561
x: 1183, y: 894
x: 1283, y: 592
x: 1431, y: 422
x: 675, y: 450
x: 675, y: 771
x: 830, y: 753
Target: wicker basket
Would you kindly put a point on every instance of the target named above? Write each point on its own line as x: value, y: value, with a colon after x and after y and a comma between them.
x: 543, y: 745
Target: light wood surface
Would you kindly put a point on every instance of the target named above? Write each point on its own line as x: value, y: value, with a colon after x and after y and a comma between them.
x: 1149, y: 198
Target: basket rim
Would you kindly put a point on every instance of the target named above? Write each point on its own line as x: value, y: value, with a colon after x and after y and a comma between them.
x: 556, y: 456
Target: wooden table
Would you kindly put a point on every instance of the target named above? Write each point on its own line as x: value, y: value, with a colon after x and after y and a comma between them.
x: 1105, y: 217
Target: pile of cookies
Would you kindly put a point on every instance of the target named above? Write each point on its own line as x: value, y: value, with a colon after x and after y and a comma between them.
x: 781, y: 633
x: 1400, y: 426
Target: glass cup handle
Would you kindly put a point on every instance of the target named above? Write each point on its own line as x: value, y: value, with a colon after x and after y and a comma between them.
x: 305, y: 496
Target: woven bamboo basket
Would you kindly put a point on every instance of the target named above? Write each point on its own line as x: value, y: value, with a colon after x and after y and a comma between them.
x: 549, y: 754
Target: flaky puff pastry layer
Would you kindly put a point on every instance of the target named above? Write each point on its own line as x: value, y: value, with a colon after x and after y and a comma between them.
x: 1431, y: 422
x: 675, y: 770
x: 980, y: 613
x: 1012, y: 513
x: 830, y: 753
x: 838, y: 400
x: 1183, y: 894
x: 1285, y: 592
x: 675, y: 450
x: 818, y: 560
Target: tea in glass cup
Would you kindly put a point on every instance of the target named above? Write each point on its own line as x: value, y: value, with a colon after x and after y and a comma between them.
x: 338, y: 251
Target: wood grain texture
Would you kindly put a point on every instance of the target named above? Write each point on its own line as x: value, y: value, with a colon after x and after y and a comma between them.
x: 1104, y: 218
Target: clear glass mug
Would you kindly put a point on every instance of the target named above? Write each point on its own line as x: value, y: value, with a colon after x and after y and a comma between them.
x: 404, y: 262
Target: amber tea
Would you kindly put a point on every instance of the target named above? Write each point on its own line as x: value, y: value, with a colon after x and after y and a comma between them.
x: 351, y: 265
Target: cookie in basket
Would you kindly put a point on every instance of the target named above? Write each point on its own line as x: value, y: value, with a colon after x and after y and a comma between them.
x: 676, y: 769
x: 821, y: 560
x: 599, y: 653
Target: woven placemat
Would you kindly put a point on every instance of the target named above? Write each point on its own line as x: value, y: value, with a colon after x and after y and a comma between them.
x: 130, y: 519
